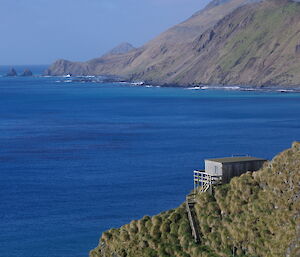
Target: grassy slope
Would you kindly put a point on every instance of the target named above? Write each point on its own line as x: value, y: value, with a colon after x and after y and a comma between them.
x: 254, y: 45
x: 271, y: 38
x: 256, y: 215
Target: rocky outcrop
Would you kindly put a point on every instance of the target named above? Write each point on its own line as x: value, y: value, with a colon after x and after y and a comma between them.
x: 27, y: 73
x: 64, y: 67
x: 12, y: 73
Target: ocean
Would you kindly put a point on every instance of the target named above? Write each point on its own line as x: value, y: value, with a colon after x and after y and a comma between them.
x: 79, y: 158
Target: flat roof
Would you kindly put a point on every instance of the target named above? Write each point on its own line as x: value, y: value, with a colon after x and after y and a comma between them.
x: 236, y: 159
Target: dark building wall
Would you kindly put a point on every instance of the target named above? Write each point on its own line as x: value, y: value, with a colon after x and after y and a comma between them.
x: 231, y: 170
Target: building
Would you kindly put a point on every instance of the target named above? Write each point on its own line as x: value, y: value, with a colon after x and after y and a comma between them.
x: 222, y: 170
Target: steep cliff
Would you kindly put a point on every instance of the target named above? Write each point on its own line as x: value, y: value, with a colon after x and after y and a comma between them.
x: 257, y: 214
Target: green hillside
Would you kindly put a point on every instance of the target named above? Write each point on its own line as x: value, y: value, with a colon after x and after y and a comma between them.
x: 265, y: 50
x: 256, y: 45
x: 257, y: 215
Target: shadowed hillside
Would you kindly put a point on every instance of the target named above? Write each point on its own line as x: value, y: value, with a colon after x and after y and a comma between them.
x: 257, y: 214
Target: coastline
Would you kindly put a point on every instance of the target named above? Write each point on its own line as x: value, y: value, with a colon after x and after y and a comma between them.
x: 115, y: 79
x: 234, y: 87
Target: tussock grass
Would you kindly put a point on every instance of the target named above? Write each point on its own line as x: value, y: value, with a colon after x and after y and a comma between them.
x: 256, y: 215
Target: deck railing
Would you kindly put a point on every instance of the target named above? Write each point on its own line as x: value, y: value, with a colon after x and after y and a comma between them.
x: 203, y: 181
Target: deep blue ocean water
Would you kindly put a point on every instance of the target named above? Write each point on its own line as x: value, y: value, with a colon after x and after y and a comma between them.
x: 79, y: 158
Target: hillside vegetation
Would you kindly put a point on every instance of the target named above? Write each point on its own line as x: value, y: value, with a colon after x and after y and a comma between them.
x: 257, y: 215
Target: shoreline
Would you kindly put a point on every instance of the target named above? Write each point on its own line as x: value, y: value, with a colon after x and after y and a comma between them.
x: 246, y: 88
x: 134, y: 83
x: 234, y: 87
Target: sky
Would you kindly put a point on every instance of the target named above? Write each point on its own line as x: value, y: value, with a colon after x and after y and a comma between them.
x: 42, y: 31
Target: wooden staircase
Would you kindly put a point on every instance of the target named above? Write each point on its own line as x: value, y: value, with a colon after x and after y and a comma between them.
x: 203, y: 183
x: 190, y: 203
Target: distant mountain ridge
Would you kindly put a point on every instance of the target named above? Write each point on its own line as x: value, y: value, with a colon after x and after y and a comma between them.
x: 241, y: 42
x: 123, y: 48
x: 148, y: 55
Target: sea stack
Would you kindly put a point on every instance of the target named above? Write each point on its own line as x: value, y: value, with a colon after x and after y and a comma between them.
x: 11, y: 73
x: 27, y: 73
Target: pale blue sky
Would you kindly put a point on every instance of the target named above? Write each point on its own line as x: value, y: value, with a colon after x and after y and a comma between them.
x: 41, y: 31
